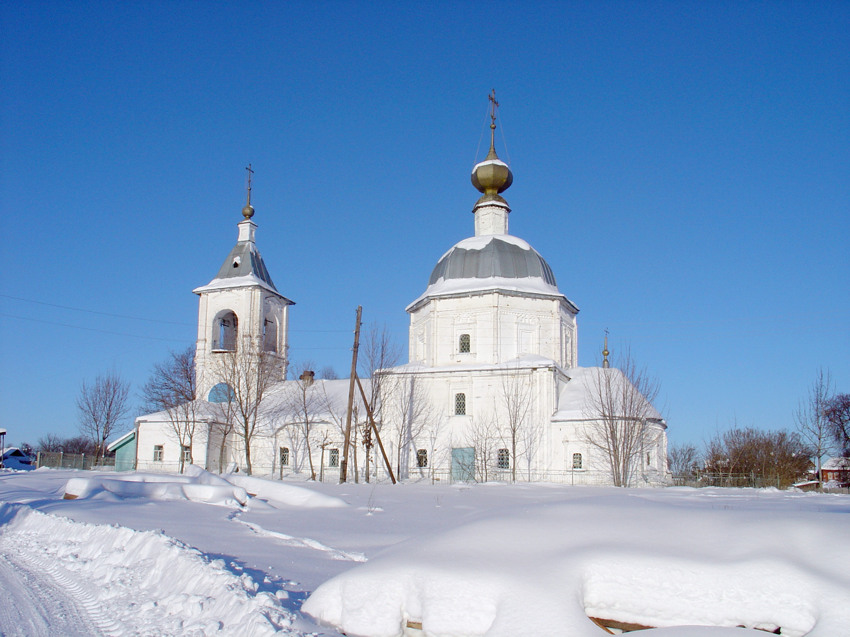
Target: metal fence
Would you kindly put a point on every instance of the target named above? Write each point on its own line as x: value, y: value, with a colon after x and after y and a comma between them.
x: 60, y: 460
x: 731, y: 480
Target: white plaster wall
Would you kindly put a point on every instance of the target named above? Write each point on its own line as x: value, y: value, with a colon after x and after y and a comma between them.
x: 501, y: 327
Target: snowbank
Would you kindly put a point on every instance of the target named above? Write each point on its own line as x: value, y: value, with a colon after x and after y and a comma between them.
x: 138, y: 582
x: 277, y: 492
x: 195, y: 484
x: 706, y: 558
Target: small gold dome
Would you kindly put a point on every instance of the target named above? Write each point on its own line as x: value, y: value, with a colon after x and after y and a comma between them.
x: 492, y: 176
x: 248, y: 211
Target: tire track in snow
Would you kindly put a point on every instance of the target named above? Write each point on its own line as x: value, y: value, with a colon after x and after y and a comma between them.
x: 36, y: 605
x: 302, y: 542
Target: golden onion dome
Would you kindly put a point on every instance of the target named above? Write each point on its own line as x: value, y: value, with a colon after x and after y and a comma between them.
x: 492, y: 175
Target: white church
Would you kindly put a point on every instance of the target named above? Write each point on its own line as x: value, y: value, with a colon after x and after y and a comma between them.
x: 492, y: 390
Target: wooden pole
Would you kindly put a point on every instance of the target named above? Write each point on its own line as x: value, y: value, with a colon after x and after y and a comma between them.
x: 375, y: 429
x: 343, y: 465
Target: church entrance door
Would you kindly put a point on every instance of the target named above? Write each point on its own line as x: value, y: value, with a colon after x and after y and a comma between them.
x: 463, y: 464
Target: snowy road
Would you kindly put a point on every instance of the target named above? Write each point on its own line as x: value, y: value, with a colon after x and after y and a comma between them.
x: 35, y: 604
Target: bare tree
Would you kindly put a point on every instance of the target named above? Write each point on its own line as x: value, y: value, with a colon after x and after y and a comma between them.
x: 619, y: 407
x: 171, y: 388
x: 411, y: 412
x: 683, y: 459
x: 485, y: 437
x: 328, y: 373
x: 75, y: 444
x: 101, y: 407
x: 378, y: 351
x: 224, y: 424
x: 838, y: 416
x: 302, y: 407
x: 516, y: 400
x: 249, y: 373
x: 811, y: 418
x: 764, y: 457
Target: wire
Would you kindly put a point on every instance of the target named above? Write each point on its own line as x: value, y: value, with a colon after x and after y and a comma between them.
x: 80, y: 309
x: 93, y: 329
x: 481, y: 136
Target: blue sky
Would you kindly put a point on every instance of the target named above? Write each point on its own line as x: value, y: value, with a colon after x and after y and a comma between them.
x: 683, y: 167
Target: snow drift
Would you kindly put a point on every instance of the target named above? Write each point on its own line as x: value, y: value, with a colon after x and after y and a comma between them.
x: 709, y: 558
x: 142, y: 582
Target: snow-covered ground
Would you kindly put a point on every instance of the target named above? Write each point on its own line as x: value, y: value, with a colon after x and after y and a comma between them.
x: 150, y: 554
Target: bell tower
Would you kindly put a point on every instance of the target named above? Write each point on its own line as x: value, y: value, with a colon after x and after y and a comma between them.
x: 240, y: 310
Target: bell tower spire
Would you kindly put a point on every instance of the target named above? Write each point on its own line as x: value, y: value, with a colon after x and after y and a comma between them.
x: 491, y: 177
x: 605, y: 352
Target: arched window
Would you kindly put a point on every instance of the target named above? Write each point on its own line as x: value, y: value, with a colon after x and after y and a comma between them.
x: 460, y: 404
x: 225, y: 331
x: 284, y: 456
x: 421, y: 458
x: 503, y: 459
x: 576, y: 461
x: 269, y: 335
x: 464, y: 344
x: 221, y: 393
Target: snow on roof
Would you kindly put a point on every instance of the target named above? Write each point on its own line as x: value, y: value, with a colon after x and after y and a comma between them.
x: 491, y: 263
x: 520, y: 362
x: 236, y: 282
x: 837, y: 464
x: 243, y: 267
x: 118, y: 441
x: 574, y: 394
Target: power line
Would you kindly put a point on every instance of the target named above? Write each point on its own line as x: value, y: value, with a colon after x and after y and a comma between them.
x: 80, y: 309
x: 138, y: 318
x: 93, y: 329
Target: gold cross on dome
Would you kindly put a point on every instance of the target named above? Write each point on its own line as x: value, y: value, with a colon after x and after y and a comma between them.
x: 250, y: 172
x: 493, y: 106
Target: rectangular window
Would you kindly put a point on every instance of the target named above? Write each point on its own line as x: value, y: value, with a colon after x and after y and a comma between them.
x: 157, y: 453
x: 284, y: 456
x: 333, y: 458
x: 503, y: 459
x: 576, y: 461
x: 187, y: 453
x: 421, y: 458
x: 465, y: 345
x: 460, y: 404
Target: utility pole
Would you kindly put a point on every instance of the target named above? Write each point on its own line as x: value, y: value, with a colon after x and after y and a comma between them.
x: 343, y: 465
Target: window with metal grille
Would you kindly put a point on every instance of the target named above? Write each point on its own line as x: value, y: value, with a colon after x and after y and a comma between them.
x: 576, y: 461
x: 333, y: 458
x: 157, y: 453
x: 503, y: 459
x: 284, y: 456
x: 187, y: 453
x: 460, y: 404
x: 421, y: 458
x: 464, y: 346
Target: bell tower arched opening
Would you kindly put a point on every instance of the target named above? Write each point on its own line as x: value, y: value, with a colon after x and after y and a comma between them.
x: 225, y: 331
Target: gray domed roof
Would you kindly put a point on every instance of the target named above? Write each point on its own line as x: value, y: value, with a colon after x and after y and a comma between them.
x: 491, y: 262
x: 502, y: 256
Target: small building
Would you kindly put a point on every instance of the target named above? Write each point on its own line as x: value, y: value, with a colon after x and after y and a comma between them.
x: 125, y: 451
x: 837, y: 470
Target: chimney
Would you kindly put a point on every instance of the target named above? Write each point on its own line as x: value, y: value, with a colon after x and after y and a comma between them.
x: 308, y: 376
